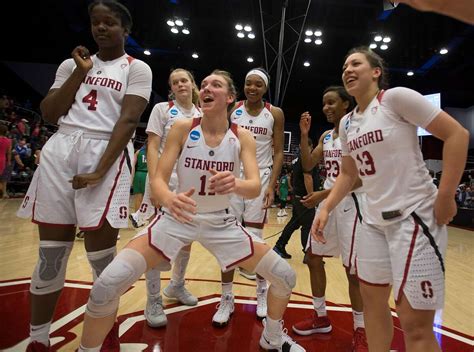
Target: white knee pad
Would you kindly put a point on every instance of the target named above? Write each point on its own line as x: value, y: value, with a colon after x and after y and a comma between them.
x: 280, y: 274
x: 118, y: 276
x: 50, y: 270
x: 100, y: 259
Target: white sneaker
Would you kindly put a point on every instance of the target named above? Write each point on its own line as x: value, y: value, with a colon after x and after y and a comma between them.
x: 279, y: 213
x: 180, y: 293
x: 247, y: 274
x: 285, y: 343
x: 224, y: 311
x: 136, y: 222
x: 284, y: 213
x: 154, y: 313
x: 262, y: 304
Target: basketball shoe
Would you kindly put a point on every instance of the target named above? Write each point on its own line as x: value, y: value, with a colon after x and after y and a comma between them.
x: 154, y: 313
x: 283, y: 343
x: 313, y: 325
x: 224, y: 311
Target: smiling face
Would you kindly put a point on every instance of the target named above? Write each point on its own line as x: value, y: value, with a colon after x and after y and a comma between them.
x: 254, y: 88
x: 106, y: 27
x: 358, y: 75
x: 214, y: 94
x: 181, y: 85
x: 334, y: 108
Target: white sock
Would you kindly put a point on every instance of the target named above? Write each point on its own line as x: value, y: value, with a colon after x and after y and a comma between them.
x: 227, y: 288
x: 92, y: 349
x: 261, y: 285
x: 319, y: 304
x: 358, y: 319
x: 40, y: 333
x: 273, y: 330
x: 153, y: 283
x: 179, y: 268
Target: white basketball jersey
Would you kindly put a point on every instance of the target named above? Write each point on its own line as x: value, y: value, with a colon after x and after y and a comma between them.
x: 261, y: 127
x: 384, y: 144
x: 332, y: 155
x: 197, y: 158
x: 98, y: 100
x: 164, y: 115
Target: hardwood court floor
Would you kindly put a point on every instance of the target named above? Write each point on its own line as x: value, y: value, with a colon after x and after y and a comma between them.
x: 18, y: 255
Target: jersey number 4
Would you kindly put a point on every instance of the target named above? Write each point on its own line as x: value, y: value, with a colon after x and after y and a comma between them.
x: 367, y: 166
x: 91, y: 99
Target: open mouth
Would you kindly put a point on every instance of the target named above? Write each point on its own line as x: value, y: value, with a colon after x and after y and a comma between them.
x: 207, y: 99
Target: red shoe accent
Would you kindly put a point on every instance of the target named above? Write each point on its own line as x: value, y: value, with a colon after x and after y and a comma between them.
x: 313, y: 325
x: 359, y: 341
x: 35, y: 346
x: 112, y: 342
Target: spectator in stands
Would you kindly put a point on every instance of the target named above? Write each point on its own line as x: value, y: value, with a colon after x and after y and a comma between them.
x: 21, y: 153
x: 462, y: 196
x: 469, y: 197
x: 5, y: 160
x: 21, y: 126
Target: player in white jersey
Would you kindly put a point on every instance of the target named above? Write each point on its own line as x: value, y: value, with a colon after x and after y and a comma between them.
x: 343, y: 229
x: 266, y: 122
x: 184, y: 98
x: 403, y: 238
x: 183, y: 105
x: 84, y: 176
x: 209, y: 151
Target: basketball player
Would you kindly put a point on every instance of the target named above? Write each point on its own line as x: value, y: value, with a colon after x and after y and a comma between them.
x: 209, y: 151
x: 266, y: 122
x: 139, y: 175
x: 183, y: 102
x: 342, y: 232
x: 84, y: 176
x: 403, y: 237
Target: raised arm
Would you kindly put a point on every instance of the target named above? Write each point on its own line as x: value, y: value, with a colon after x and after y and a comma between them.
x: 58, y: 101
x: 309, y: 160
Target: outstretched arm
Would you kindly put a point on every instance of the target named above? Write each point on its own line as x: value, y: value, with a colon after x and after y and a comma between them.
x: 462, y: 10
x: 343, y: 185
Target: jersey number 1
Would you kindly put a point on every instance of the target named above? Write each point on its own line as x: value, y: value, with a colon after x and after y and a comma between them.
x: 91, y: 99
x: 202, y: 191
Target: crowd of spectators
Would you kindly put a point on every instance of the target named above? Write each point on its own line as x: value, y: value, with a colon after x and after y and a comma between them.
x: 26, y: 135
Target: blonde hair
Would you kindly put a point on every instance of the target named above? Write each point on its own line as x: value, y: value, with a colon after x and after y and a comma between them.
x: 195, y: 89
